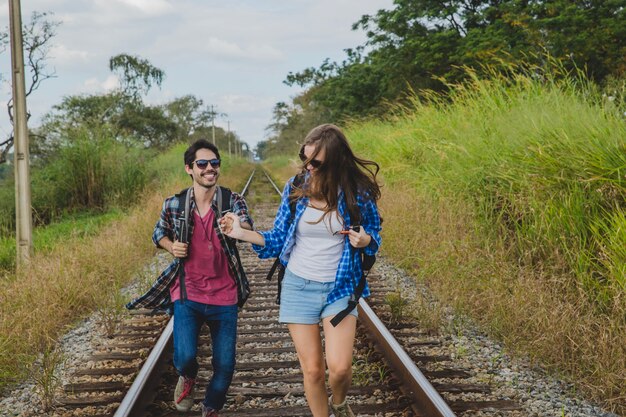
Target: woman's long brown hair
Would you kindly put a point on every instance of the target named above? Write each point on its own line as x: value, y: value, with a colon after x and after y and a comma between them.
x: 341, y: 170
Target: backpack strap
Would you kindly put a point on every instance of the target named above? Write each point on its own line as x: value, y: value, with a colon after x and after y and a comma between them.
x: 367, y: 262
x: 184, y: 200
x: 297, y: 182
x: 223, y: 201
x: 224, y: 205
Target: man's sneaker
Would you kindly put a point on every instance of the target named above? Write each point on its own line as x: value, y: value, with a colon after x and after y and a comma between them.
x: 341, y: 410
x: 183, y: 395
x: 208, y: 412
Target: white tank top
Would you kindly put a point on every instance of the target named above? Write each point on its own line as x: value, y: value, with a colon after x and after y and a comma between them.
x: 318, y: 247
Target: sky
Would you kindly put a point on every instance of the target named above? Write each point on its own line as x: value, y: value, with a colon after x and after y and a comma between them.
x: 233, y: 54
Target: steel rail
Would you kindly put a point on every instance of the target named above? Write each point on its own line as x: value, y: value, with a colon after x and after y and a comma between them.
x: 272, y: 182
x: 139, y: 391
x: 245, y: 188
x: 425, y: 397
x: 136, y: 395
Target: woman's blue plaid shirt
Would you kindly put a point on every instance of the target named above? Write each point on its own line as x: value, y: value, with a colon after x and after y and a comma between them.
x: 281, y: 239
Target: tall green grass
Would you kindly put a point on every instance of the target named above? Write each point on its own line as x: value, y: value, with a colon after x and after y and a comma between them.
x: 542, y: 160
x: 508, y: 197
x: 91, y: 171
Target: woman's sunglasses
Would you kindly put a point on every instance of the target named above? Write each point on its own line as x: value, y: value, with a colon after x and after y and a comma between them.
x: 315, y: 163
x: 204, y: 163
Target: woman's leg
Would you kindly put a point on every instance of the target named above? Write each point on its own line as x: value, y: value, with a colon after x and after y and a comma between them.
x: 306, y: 338
x: 339, y: 344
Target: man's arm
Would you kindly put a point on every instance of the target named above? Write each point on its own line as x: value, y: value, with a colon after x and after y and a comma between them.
x: 164, y: 234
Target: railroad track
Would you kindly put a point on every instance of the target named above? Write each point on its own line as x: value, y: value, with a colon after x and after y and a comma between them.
x: 133, y: 375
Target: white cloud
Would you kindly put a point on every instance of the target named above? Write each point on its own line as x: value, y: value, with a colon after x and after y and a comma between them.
x: 242, y: 103
x: 111, y: 83
x: 145, y: 7
x: 95, y: 85
x: 218, y: 48
x: 63, y: 56
x: 151, y: 7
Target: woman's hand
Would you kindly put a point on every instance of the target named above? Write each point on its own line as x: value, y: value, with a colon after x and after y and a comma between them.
x: 359, y: 239
x: 231, y: 226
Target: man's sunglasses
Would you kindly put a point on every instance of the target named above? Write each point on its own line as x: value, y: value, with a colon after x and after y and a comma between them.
x: 315, y: 163
x: 204, y: 163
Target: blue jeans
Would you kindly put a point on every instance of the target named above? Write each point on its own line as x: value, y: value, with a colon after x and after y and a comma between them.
x: 222, y: 321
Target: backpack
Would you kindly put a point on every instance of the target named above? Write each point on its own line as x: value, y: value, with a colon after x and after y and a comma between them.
x: 223, y: 204
x: 367, y: 262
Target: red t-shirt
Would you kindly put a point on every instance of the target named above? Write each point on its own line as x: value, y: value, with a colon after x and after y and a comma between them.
x: 207, y: 277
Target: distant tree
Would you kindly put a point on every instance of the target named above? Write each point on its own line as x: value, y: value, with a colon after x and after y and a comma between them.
x: 188, y: 113
x: 37, y: 35
x: 290, y: 125
x: 136, y: 75
x: 148, y: 125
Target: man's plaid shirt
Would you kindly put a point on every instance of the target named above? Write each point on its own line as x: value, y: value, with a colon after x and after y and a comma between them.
x: 158, y: 296
x: 281, y: 239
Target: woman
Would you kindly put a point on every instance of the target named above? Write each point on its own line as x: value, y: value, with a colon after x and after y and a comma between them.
x: 321, y: 250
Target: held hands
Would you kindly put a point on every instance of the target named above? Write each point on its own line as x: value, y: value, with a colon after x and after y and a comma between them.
x: 231, y: 226
x: 359, y: 239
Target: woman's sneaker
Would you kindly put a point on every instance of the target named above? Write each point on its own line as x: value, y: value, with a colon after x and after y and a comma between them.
x: 183, y: 394
x: 341, y: 410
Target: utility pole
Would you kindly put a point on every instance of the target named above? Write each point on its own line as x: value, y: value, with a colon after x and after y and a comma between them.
x: 213, y: 122
x: 229, y: 153
x: 21, y: 157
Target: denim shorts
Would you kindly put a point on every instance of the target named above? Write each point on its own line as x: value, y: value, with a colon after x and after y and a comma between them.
x: 303, y: 301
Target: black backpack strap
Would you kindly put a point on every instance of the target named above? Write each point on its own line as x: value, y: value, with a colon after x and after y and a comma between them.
x: 367, y: 262
x: 184, y: 200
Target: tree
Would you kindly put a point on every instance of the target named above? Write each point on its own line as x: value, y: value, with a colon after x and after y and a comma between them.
x: 147, y: 124
x: 136, y: 75
x: 188, y: 113
x: 290, y: 126
x: 37, y: 36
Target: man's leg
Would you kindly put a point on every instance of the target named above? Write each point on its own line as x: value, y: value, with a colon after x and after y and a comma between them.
x: 187, y: 323
x: 222, y: 321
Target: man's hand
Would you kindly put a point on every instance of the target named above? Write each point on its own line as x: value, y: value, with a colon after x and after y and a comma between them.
x: 231, y: 226
x: 179, y: 249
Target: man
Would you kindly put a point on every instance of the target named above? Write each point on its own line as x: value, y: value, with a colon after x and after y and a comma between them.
x: 205, y: 281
